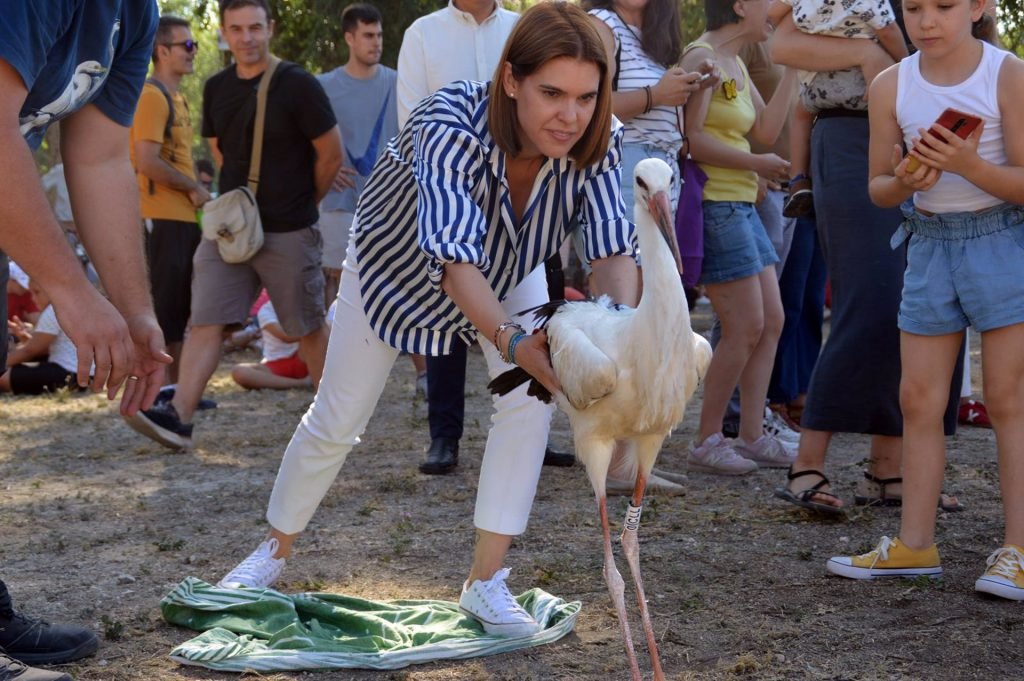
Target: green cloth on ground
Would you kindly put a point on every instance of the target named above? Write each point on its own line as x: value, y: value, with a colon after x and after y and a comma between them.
x: 265, y: 630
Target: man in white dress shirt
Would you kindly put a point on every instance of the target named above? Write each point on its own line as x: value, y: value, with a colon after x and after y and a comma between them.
x: 462, y: 41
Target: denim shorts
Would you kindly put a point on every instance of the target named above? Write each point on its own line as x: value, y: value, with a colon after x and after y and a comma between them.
x: 963, y: 269
x: 735, y: 243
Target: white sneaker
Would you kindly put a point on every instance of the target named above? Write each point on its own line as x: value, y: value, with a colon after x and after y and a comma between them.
x: 716, y: 455
x: 258, y: 571
x: 491, y: 604
x: 777, y: 427
x: 766, y: 451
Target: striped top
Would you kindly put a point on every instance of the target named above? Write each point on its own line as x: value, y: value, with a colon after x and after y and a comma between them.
x: 658, y: 127
x: 438, y: 195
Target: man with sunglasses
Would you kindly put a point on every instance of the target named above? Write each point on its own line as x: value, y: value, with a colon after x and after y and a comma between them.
x: 170, y: 194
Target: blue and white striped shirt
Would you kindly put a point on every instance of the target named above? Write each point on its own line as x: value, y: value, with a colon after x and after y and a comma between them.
x: 438, y: 195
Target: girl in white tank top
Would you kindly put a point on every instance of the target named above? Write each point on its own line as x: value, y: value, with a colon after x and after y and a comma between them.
x: 965, y: 266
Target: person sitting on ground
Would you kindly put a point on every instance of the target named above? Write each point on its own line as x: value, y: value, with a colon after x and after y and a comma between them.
x: 281, y: 367
x: 19, y: 299
x: 52, y: 353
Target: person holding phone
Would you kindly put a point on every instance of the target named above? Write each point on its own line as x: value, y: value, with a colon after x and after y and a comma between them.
x: 965, y: 236
x: 739, y: 258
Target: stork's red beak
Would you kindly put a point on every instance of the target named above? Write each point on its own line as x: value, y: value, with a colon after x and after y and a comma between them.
x: 660, y: 209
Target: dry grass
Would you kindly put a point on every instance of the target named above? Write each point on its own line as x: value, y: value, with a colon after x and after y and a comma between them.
x: 99, y: 524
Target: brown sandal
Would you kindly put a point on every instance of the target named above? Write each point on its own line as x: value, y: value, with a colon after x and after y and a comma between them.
x: 881, y: 498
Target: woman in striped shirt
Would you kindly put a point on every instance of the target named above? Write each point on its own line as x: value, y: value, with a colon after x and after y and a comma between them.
x: 482, y: 184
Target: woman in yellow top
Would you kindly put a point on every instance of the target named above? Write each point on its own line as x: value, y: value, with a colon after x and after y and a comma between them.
x: 738, y: 270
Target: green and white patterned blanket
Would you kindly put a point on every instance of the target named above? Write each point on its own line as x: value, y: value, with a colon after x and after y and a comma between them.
x: 264, y: 630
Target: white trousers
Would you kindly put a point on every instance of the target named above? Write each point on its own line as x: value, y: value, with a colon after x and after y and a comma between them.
x: 357, y: 367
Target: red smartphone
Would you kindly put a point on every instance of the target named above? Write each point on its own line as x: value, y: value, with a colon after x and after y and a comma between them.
x: 960, y: 123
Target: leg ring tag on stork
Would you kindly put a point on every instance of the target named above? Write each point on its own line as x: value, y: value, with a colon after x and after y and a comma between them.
x: 633, y: 517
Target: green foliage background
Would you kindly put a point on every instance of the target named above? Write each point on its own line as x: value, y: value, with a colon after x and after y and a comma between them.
x: 308, y: 32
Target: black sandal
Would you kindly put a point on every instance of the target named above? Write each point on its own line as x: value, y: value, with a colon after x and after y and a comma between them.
x: 883, y: 499
x: 803, y: 498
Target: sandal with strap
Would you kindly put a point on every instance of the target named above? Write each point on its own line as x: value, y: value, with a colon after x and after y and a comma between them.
x: 867, y: 497
x: 803, y: 497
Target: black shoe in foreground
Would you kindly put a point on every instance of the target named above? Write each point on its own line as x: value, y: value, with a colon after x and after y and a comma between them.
x: 167, y: 394
x: 161, y: 424
x: 34, y: 641
x: 553, y: 457
x: 442, y: 456
x: 12, y: 670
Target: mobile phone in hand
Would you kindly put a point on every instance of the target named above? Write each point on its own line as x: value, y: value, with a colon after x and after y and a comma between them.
x: 960, y: 123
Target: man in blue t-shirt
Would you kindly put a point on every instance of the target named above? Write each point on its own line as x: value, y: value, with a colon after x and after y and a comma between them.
x: 82, y: 63
x: 363, y: 96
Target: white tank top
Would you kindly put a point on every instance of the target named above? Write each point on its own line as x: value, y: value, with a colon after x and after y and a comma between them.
x: 919, y: 103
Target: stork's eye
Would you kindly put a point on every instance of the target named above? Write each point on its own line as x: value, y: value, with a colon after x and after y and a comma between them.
x: 640, y: 181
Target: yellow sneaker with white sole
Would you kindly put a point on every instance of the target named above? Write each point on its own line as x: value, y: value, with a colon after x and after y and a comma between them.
x: 1005, y: 574
x: 889, y: 559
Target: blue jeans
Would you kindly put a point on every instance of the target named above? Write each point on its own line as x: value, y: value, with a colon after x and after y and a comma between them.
x: 802, y: 287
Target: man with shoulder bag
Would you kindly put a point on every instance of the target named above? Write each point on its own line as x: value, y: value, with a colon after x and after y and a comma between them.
x: 271, y: 183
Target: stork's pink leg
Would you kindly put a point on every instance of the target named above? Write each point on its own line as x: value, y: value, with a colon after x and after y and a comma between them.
x: 616, y: 587
x: 631, y: 549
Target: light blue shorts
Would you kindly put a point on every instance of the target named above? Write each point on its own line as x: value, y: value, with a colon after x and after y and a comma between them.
x: 963, y: 269
x: 735, y: 243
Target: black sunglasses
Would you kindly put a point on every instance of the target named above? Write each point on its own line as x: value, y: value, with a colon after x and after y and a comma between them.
x: 189, y: 45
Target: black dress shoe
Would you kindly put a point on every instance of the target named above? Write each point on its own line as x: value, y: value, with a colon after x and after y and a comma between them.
x: 553, y: 457
x: 442, y: 457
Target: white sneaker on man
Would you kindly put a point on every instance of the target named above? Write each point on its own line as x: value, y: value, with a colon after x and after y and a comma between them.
x: 777, y: 427
x: 491, y: 604
x: 258, y: 571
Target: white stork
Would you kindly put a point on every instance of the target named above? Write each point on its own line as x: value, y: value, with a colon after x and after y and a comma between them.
x: 626, y: 377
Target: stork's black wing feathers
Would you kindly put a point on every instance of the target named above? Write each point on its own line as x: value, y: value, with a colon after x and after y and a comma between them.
x: 542, y: 314
x: 513, y: 378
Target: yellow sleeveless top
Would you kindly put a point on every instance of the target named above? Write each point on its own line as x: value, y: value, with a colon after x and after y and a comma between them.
x: 730, y: 117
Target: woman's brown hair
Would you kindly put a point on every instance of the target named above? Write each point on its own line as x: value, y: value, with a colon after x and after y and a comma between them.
x: 661, y: 33
x: 547, y: 31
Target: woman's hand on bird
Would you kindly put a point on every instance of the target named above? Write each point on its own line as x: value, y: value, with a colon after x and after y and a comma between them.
x: 532, y: 355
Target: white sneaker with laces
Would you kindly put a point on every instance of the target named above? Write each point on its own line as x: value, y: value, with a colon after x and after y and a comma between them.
x: 491, y: 604
x: 716, y: 455
x: 258, y: 571
x: 777, y: 427
x: 766, y: 451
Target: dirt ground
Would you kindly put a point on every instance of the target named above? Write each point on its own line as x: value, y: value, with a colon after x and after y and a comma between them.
x: 100, y: 523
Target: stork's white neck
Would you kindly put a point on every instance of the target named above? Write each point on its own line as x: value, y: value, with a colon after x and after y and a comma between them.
x: 662, y: 307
